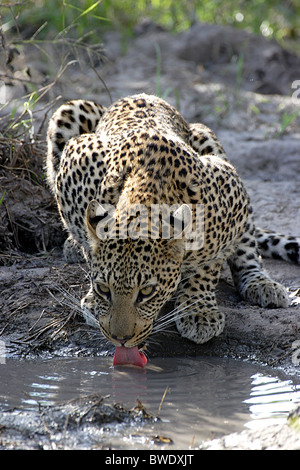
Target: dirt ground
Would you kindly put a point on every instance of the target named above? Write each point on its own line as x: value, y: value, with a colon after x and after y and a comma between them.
x: 238, y: 84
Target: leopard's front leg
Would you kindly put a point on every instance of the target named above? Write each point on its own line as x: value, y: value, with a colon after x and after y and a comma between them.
x: 198, y: 317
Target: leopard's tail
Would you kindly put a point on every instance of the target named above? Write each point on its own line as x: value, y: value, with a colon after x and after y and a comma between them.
x: 276, y: 246
x: 70, y: 120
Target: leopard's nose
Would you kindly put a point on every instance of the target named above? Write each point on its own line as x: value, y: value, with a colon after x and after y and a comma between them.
x: 122, y: 340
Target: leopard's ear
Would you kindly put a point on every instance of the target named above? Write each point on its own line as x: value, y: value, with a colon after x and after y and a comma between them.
x: 99, y: 219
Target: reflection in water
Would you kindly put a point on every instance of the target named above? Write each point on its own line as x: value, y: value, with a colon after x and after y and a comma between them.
x: 206, y: 397
x: 271, y: 400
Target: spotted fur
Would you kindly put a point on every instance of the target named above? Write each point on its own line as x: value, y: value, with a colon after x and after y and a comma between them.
x: 141, y: 151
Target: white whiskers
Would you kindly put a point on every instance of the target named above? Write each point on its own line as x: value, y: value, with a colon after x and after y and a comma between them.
x: 178, y: 312
x: 71, y: 301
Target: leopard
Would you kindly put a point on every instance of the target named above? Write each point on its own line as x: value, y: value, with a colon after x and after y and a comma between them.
x: 140, y: 153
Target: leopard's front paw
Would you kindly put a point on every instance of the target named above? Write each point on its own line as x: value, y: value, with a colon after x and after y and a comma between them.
x: 200, y: 328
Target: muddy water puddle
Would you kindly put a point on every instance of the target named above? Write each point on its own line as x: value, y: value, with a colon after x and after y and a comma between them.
x: 205, y: 397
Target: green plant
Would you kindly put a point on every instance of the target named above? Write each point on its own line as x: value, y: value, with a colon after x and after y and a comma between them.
x: 169, y: 90
x: 158, y: 74
x: 272, y: 18
x: 239, y: 72
x: 27, y: 124
x: 286, y: 120
x: 2, y: 197
x: 64, y: 43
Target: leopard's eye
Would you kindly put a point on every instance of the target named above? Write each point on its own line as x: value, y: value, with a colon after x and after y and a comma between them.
x: 145, y: 293
x: 102, y: 289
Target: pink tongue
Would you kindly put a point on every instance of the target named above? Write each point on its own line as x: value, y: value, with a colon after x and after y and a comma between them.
x: 129, y: 356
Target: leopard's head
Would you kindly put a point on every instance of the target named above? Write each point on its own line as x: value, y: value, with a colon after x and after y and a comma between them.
x: 131, y: 279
